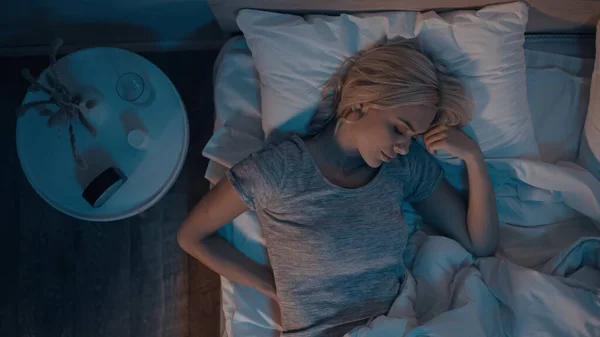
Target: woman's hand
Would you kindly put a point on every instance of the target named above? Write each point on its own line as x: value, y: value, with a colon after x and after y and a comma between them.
x: 266, y: 282
x: 268, y: 289
x: 451, y: 140
x: 276, y: 312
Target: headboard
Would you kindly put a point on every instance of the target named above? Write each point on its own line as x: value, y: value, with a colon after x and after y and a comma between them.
x: 545, y: 16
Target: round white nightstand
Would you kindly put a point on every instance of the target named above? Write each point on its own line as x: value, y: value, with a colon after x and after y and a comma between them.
x: 146, y: 138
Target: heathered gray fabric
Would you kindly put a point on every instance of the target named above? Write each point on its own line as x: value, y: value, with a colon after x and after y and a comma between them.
x: 336, y: 253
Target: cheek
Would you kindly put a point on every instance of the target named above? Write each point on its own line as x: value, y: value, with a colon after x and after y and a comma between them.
x: 368, y: 141
x: 372, y: 135
x: 366, y: 145
x: 375, y: 135
x: 370, y: 155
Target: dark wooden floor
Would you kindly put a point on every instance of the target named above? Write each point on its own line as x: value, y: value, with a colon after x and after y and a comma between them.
x: 63, y: 277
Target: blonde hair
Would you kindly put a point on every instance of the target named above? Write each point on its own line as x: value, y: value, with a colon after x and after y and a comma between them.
x: 390, y: 75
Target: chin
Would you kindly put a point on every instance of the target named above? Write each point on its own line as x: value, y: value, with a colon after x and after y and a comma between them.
x: 373, y: 163
x: 370, y: 161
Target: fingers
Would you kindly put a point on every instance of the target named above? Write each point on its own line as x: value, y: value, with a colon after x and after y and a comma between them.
x: 437, y: 145
x: 435, y: 130
x: 435, y: 136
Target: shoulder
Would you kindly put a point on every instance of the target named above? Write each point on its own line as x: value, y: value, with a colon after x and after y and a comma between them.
x: 417, y: 151
x: 259, y: 178
x: 277, y: 154
x: 289, y: 150
x: 417, y: 165
x: 289, y: 146
x: 416, y: 155
x: 274, y: 158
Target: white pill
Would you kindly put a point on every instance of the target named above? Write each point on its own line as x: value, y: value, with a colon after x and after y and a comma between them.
x: 138, y: 139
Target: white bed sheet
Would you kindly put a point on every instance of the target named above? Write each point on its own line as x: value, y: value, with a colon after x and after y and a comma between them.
x: 557, y: 122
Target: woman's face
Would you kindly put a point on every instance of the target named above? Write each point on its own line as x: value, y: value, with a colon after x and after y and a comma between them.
x: 382, y: 134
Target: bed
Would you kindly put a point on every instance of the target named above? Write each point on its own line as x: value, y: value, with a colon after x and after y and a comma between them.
x: 549, y: 219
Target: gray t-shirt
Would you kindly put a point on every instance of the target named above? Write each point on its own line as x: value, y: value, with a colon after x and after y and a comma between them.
x: 336, y: 253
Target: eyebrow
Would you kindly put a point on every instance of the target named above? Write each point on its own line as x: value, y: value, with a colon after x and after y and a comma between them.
x: 410, y: 127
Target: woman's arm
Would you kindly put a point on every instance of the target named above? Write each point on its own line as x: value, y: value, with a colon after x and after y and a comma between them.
x: 474, y: 225
x: 196, y: 236
x: 482, y: 214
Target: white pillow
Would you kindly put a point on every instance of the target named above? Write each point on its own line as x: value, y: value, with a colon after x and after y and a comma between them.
x: 589, y: 150
x: 294, y: 57
x: 558, y: 90
x: 237, y: 112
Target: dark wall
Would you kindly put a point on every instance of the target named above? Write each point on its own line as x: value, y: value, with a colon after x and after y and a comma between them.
x: 27, y: 23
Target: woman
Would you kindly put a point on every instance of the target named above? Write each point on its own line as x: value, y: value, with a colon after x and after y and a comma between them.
x: 330, y: 205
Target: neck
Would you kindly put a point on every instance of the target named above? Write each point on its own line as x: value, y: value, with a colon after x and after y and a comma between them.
x: 339, y: 149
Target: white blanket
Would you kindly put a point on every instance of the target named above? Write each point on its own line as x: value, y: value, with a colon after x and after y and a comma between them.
x: 550, y: 292
x: 451, y: 294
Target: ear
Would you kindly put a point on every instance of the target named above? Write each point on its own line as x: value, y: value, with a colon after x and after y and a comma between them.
x: 353, y: 116
x: 358, y: 112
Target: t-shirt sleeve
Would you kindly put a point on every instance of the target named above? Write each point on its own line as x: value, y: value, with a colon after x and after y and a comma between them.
x: 425, y: 173
x: 257, y: 179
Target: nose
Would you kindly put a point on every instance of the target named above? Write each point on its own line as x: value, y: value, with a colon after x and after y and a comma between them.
x: 402, y: 145
x: 401, y: 149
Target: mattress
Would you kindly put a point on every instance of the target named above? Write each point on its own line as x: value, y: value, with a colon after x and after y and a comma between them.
x: 558, y: 84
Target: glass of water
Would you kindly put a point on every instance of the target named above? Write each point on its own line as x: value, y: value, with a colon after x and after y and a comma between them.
x: 130, y: 86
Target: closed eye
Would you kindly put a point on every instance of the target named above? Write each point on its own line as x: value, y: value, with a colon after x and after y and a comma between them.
x: 398, y: 131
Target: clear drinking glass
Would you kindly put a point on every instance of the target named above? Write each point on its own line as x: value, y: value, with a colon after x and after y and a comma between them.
x: 130, y: 86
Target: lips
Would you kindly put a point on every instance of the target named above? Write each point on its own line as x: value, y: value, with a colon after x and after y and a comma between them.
x: 385, y: 157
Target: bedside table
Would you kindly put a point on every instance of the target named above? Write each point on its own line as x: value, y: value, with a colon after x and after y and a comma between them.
x: 142, y: 130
